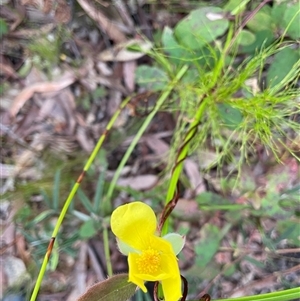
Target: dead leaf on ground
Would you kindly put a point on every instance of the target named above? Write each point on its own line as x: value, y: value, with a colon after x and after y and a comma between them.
x: 104, y: 23
x: 121, y: 53
x: 129, y: 75
x: 188, y: 210
x: 82, y: 137
x: 142, y: 182
x: 6, y: 68
x: 80, y: 272
x: 193, y: 173
x: 157, y: 145
x: 15, y: 271
x: 66, y: 80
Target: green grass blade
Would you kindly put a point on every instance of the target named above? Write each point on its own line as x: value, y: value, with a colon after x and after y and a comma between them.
x: 56, y: 190
x: 85, y: 201
x: 285, y: 295
x: 144, y: 126
x: 70, y: 198
x: 99, y: 191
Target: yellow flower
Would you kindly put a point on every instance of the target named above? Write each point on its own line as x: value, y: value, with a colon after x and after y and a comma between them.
x: 150, y: 257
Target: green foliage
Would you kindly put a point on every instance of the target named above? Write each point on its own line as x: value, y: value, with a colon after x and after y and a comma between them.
x: 257, y: 114
x: 201, y: 27
x: 45, y: 49
x: 231, y: 117
x: 88, y: 229
x: 290, y: 21
x: 209, y: 244
x: 3, y: 27
x: 115, y: 288
x: 151, y: 78
x: 283, y: 63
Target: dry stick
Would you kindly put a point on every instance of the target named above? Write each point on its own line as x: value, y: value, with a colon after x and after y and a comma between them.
x: 70, y: 198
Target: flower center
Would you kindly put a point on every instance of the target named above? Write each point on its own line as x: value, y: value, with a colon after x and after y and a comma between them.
x: 148, y: 262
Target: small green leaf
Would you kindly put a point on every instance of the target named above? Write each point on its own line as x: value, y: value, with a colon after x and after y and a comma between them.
x: 3, y: 27
x: 245, y: 38
x: 278, y: 12
x: 289, y: 230
x: 175, y: 51
x: 236, y: 6
x: 230, y: 116
x: 282, y: 64
x: 151, y: 78
x: 87, y: 229
x: 42, y: 216
x: 124, y: 248
x: 176, y: 240
x: 291, y: 21
x: 263, y: 39
x: 201, y: 27
x: 115, y: 288
x: 230, y: 270
x: 261, y: 21
x: 208, y: 245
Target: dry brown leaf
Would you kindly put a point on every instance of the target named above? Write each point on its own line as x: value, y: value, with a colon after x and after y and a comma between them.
x: 193, y: 173
x: 15, y: 271
x: 48, y: 4
x: 188, y: 210
x: 115, y: 99
x: 157, y: 145
x: 120, y: 53
x: 62, y: 12
x: 32, y: 33
x: 142, y: 182
x: 22, y: 250
x: 43, y: 87
x: 104, y: 23
x: 207, y: 159
x: 85, y: 142
x: 94, y: 259
x: 80, y: 273
x: 6, y: 68
x: 129, y: 75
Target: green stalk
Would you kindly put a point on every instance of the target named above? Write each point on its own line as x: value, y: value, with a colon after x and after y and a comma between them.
x: 144, y: 126
x: 70, y: 198
x: 181, y: 157
x: 285, y: 295
x: 106, y: 251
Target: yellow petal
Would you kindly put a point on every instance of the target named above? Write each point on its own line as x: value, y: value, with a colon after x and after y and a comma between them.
x: 133, y: 277
x: 133, y: 223
x: 172, y: 288
x: 155, y: 263
x: 136, y: 273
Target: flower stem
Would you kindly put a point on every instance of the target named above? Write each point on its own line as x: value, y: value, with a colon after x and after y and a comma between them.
x: 182, y: 154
